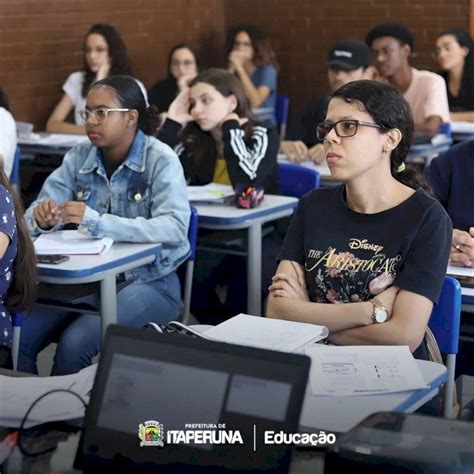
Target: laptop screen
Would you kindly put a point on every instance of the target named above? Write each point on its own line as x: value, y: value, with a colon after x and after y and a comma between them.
x: 208, y: 403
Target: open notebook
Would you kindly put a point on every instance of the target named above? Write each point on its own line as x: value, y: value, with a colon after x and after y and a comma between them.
x: 255, y: 331
x: 71, y: 242
x: 212, y: 193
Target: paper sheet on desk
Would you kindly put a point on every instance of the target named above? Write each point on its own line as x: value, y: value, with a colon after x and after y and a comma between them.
x: 460, y: 271
x: 265, y: 333
x: 18, y: 393
x: 362, y: 370
x: 54, y: 139
x: 71, y: 242
x: 462, y: 127
x: 210, y: 193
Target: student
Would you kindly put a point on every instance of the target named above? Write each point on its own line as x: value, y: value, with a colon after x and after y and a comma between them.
x: 381, y: 246
x: 453, y: 52
x: 252, y: 59
x: 8, y: 140
x: 105, y: 54
x: 125, y: 185
x: 182, y: 67
x: 451, y: 175
x: 220, y: 142
x: 347, y: 61
x: 392, y: 45
x: 17, y: 264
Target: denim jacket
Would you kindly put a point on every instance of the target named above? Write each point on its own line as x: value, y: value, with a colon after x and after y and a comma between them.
x: 144, y: 201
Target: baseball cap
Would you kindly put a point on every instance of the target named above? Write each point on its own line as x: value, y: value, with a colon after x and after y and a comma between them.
x: 349, y: 54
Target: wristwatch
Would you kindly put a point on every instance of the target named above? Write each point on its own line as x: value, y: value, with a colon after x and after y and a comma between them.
x: 380, y: 312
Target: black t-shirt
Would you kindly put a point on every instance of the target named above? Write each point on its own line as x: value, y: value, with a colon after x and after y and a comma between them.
x: 351, y: 257
x: 464, y: 101
x: 163, y: 93
x: 304, y: 128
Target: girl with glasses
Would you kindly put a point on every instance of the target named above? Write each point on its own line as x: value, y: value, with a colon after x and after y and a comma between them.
x: 126, y: 185
x: 366, y: 258
x: 454, y: 54
x: 252, y: 59
x: 183, y: 65
x: 105, y: 54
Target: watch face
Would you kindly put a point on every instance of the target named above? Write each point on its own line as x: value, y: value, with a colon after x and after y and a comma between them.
x: 381, y: 315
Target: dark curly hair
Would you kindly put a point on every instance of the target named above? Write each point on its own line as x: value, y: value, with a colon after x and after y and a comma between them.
x: 263, y: 51
x: 389, y: 110
x: 130, y: 96
x: 120, y: 63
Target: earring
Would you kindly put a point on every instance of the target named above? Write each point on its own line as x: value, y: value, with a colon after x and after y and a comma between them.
x: 384, y: 150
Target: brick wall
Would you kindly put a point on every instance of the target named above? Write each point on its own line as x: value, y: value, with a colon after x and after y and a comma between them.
x: 303, y: 30
x: 41, y: 41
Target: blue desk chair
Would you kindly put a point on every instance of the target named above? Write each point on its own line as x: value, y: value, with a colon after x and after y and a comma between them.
x: 445, y: 323
x: 188, y: 278
x: 281, y: 113
x: 445, y: 129
x: 17, y: 321
x: 296, y: 180
x: 15, y: 176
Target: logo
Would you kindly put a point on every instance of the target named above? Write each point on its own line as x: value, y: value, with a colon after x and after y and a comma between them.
x: 151, y: 433
x: 338, y: 52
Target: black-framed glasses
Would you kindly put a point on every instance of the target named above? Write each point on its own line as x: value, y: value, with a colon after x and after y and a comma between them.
x: 99, y: 115
x: 185, y: 63
x: 343, y: 128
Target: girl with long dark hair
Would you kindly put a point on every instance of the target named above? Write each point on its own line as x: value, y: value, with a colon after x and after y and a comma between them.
x: 105, y: 54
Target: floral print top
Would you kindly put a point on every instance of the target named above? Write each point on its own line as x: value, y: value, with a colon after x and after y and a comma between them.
x: 8, y: 227
x: 350, y: 257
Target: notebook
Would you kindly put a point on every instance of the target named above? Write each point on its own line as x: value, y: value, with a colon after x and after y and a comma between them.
x: 211, y: 193
x: 267, y: 333
x: 166, y: 403
x: 253, y: 331
x: 71, y: 242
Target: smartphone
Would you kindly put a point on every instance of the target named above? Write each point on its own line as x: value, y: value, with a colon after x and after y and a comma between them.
x: 52, y: 259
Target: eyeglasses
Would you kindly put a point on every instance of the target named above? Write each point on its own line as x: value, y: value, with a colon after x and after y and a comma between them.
x: 99, y: 115
x: 343, y: 128
x: 94, y: 50
x: 185, y: 63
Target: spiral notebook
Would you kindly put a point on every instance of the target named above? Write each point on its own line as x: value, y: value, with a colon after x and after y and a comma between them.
x: 254, y: 331
x: 71, y: 242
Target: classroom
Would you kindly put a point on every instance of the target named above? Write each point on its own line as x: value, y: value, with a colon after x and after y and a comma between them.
x: 270, y: 197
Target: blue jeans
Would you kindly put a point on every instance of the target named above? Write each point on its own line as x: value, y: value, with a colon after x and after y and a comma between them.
x: 79, y: 335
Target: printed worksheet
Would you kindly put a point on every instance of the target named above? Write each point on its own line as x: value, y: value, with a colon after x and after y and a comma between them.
x: 362, y: 370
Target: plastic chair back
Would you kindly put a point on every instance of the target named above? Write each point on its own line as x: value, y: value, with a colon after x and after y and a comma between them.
x: 296, y: 180
x: 281, y: 113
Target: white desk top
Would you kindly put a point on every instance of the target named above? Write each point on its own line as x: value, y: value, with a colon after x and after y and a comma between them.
x: 52, y: 139
x: 322, y: 169
x: 85, y: 265
x: 230, y: 214
x: 340, y: 414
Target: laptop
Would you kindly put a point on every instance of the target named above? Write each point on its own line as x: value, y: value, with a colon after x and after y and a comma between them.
x: 171, y: 403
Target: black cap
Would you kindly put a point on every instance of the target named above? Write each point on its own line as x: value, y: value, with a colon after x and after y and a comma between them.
x: 393, y: 29
x: 349, y: 54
